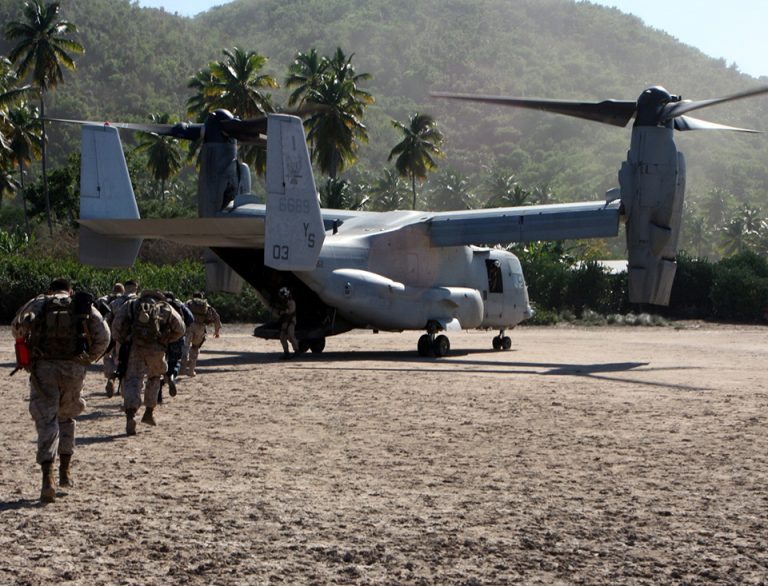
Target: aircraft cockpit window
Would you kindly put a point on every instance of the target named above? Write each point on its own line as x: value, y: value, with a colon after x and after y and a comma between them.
x: 495, y: 282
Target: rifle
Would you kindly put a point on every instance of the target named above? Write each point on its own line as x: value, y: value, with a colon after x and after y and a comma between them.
x: 122, y: 363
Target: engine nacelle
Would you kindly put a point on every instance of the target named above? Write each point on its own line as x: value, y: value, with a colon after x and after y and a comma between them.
x: 376, y: 301
x: 652, y: 183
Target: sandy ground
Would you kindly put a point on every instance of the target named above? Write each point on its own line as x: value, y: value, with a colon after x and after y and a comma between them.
x: 581, y: 456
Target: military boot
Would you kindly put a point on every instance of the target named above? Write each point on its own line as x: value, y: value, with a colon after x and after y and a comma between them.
x: 48, y: 491
x: 65, y: 473
x: 110, y: 388
x: 130, y: 425
x: 148, y: 418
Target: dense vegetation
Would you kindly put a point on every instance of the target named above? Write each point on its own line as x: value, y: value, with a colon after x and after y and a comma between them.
x: 141, y: 63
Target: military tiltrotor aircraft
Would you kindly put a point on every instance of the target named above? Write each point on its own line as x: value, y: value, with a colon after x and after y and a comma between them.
x: 392, y: 271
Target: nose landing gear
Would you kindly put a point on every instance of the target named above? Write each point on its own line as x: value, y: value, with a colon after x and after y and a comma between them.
x: 502, y: 342
x: 431, y: 344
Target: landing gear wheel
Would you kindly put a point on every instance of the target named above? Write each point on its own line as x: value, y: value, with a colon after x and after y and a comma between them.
x: 304, y: 346
x: 425, y: 345
x: 506, y: 343
x: 496, y: 342
x: 317, y: 345
x: 441, y: 346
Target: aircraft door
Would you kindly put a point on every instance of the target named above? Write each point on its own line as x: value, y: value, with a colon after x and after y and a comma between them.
x: 493, y: 296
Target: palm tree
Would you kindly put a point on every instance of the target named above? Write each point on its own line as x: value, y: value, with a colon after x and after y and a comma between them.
x: 732, y: 236
x: 25, y: 143
x: 505, y: 191
x: 10, y: 95
x: 164, y: 159
x: 417, y: 152
x: 452, y: 191
x: 235, y: 83
x: 305, y: 74
x: 7, y: 183
x: 336, y: 126
x: 388, y: 192
x: 337, y: 194
x: 716, y: 207
x: 201, y: 103
x: 43, y: 49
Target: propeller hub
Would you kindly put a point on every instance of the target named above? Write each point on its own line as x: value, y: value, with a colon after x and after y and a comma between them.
x: 213, y: 129
x: 650, y: 107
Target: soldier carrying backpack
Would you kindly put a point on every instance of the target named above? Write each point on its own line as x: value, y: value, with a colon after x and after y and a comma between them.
x: 119, y: 355
x: 148, y: 324
x: 204, y: 315
x: 61, y: 331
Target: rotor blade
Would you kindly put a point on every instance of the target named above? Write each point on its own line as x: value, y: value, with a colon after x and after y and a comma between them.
x: 690, y: 123
x: 249, y: 130
x: 615, y: 112
x: 183, y: 130
x: 674, y: 109
x: 254, y: 130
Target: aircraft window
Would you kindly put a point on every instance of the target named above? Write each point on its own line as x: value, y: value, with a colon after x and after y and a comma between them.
x: 495, y: 282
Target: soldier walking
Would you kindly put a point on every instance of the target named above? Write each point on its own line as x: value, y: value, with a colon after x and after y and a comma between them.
x: 204, y: 315
x: 144, y: 327
x: 175, y: 351
x: 62, y: 332
x: 103, y: 304
x: 131, y: 289
x: 286, y: 309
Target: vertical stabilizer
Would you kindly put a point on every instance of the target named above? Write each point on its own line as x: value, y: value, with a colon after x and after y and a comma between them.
x: 105, y: 193
x: 294, y: 227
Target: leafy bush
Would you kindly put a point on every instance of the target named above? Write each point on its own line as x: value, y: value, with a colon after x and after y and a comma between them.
x: 740, y: 288
x: 691, y: 290
x: 24, y: 277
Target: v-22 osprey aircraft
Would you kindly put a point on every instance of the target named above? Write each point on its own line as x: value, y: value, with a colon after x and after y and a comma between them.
x: 392, y: 271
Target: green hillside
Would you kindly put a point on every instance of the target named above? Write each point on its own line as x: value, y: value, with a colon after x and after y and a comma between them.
x: 138, y: 61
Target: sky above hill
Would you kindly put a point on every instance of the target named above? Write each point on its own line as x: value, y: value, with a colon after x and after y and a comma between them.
x: 734, y: 31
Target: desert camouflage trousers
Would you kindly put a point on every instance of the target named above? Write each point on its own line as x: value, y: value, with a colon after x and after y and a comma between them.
x: 287, y: 334
x: 195, y: 339
x: 143, y: 362
x: 54, y: 402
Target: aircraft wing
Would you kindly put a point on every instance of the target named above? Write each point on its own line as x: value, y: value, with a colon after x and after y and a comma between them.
x: 234, y: 232
x: 525, y: 224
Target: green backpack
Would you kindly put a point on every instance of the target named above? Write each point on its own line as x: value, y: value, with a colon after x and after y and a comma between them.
x: 58, y: 332
x: 146, y: 326
x: 199, y: 309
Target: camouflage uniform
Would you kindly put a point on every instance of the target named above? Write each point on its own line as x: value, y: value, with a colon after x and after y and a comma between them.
x: 146, y: 357
x: 110, y: 357
x: 286, y: 311
x: 114, y: 358
x: 55, y: 387
x: 196, y: 334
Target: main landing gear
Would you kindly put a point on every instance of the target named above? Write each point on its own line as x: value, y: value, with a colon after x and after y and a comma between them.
x: 317, y: 345
x: 502, y: 342
x: 431, y: 344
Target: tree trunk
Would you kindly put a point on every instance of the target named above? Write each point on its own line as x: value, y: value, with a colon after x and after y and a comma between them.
x: 45, y: 177
x: 413, y: 187
x: 23, y: 197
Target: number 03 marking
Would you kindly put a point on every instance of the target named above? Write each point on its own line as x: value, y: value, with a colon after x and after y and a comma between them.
x: 280, y: 252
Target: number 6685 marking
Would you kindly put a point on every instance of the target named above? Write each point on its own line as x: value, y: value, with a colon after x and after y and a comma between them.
x: 293, y: 205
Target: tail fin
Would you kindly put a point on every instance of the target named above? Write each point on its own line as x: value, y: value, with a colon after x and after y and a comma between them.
x: 294, y: 227
x: 105, y: 192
